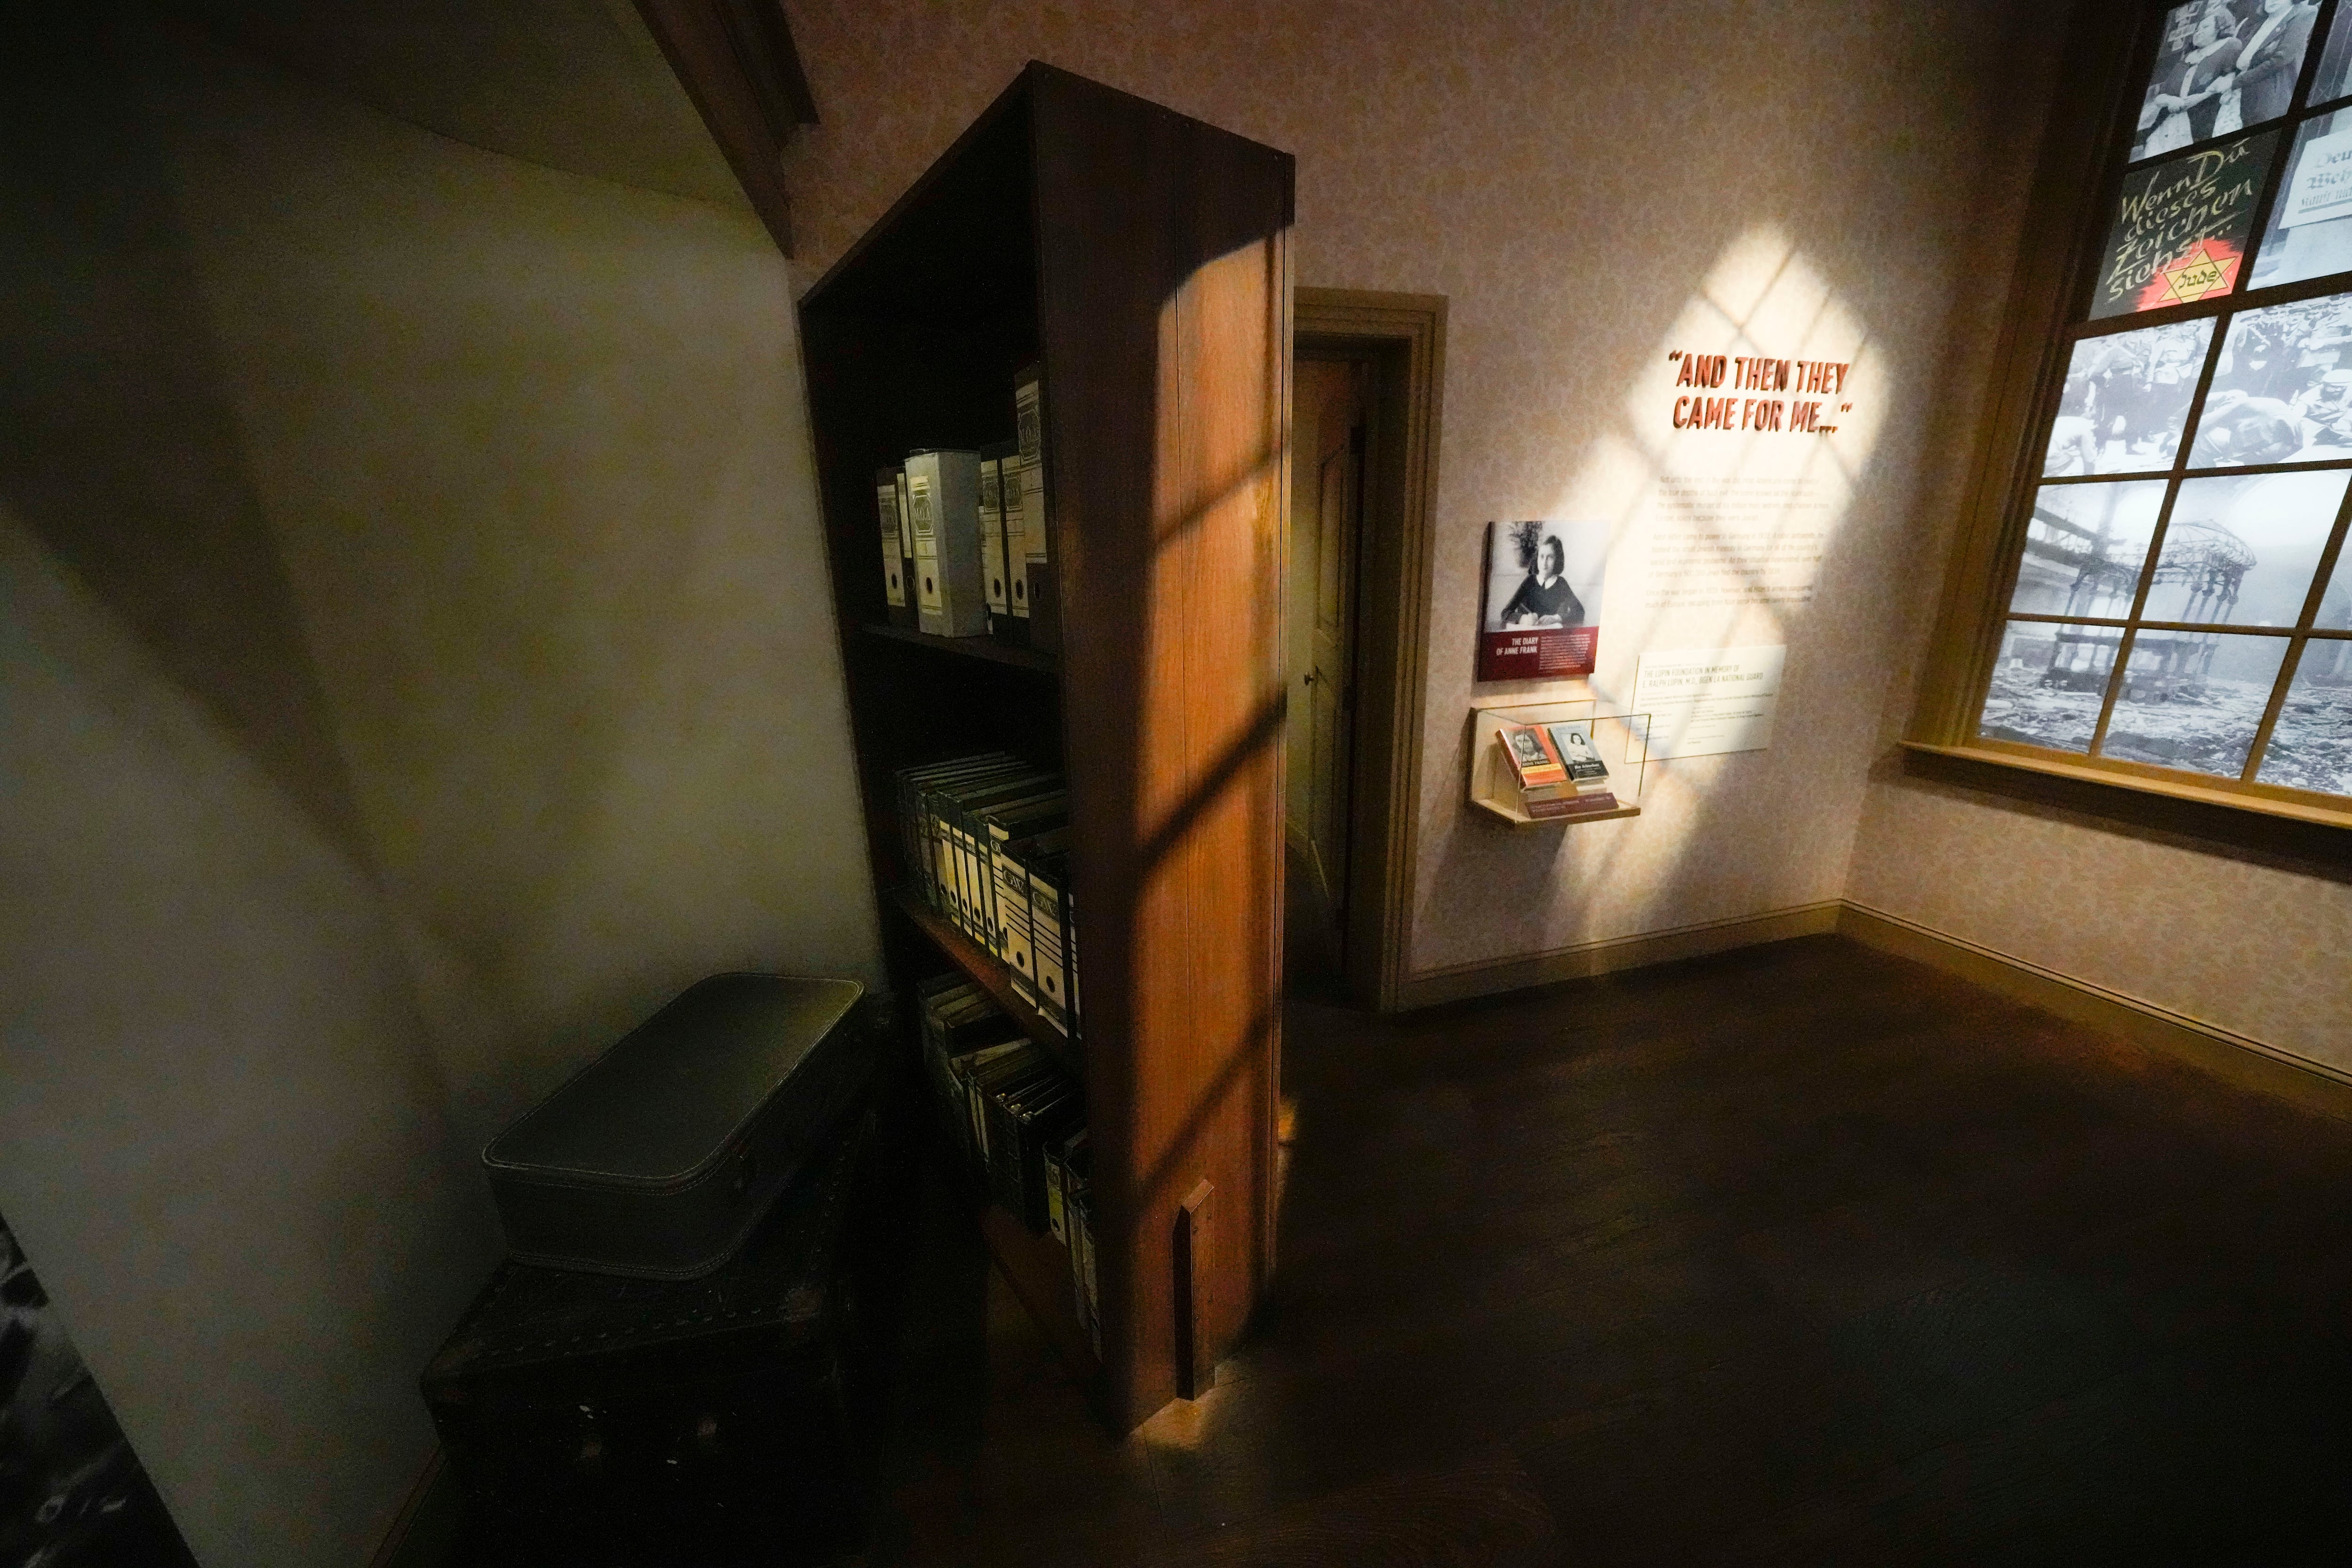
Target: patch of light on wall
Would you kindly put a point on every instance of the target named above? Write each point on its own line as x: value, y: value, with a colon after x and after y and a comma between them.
x: 1717, y: 535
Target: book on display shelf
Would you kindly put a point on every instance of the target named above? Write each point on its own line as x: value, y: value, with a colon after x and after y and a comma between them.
x: 1572, y: 779
x: 1573, y: 744
x: 1533, y: 763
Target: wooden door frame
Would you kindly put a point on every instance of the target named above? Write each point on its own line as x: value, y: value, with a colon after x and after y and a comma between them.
x: 1403, y: 337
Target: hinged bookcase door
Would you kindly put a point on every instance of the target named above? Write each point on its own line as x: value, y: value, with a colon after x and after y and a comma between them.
x: 1164, y: 264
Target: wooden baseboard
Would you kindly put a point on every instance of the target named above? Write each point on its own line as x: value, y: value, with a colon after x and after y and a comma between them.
x: 425, y: 1529
x: 2233, y: 1057
x: 1491, y: 976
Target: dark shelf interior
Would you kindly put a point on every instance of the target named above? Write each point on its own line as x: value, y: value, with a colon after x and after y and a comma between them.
x: 1038, y: 1270
x: 969, y: 647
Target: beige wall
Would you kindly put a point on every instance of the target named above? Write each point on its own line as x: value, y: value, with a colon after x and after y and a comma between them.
x: 2256, y: 949
x: 222, y: 1138
x: 534, y: 451
x: 1571, y: 178
x: 415, y: 665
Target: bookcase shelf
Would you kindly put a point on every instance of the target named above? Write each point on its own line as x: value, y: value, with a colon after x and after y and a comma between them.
x: 1140, y: 260
x: 969, y: 647
x: 1038, y: 1270
x: 981, y: 967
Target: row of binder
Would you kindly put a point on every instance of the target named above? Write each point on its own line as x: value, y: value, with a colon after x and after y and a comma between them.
x: 1019, y: 1119
x: 988, y: 838
x: 963, y: 538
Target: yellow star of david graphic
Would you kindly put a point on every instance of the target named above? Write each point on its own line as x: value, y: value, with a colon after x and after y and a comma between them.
x: 2201, y: 270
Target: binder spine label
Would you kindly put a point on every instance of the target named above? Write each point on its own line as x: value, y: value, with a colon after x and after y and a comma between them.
x: 1046, y: 947
x: 1010, y: 492
x: 991, y: 536
x: 894, y: 581
x: 1029, y: 418
x: 1012, y: 899
x: 928, y: 576
x: 1007, y: 911
x: 967, y: 890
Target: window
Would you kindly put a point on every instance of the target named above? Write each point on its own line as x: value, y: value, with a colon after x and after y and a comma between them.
x: 2172, y: 592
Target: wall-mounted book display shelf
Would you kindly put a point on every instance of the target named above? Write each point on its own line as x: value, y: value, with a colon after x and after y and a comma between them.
x: 1133, y: 266
x: 1619, y: 743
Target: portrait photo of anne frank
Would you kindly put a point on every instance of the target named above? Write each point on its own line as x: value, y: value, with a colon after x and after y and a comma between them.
x: 1543, y: 597
x: 1544, y: 575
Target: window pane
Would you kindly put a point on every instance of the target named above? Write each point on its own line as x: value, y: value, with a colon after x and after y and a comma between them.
x: 2310, y: 232
x: 2312, y: 747
x: 2181, y: 227
x: 2220, y: 67
x: 2085, y: 547
x: 2336, y: 605
x: 2335, y: 79
x: 2126, y: 400
x: 2193, y: 701
x: 2282, y: 389
x: 2049, y: 684
x: 2242, y: 552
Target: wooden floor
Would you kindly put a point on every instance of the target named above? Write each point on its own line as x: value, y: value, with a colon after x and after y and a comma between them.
x: 1800, y: 1255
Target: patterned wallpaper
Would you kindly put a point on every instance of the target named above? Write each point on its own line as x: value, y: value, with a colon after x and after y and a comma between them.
x: 2249, y: 947
x: 1570, y: 180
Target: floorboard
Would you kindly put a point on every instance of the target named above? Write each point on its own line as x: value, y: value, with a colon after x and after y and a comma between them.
x: 1803, y: 1254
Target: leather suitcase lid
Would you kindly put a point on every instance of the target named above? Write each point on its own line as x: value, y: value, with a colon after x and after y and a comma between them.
x: 663, y: 1107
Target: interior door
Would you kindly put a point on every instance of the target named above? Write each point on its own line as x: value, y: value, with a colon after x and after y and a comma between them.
x: 1327, y: 519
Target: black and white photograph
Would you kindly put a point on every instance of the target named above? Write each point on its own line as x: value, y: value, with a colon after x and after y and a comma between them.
x: 72, y: 1494
x: 1575, y: 746
x: 2193, y: 701
x: 2310, y: 229
x: 1542, y: 611
x: 2282, y: 388
x: 2085, y: 547
x: 2223, y: 65
x: 2242, y: 552
x: 2334, y: 78
x: 1542, y: 596
x: 2312, y: 746
x: 2126, y: 400
x: 1526, y: 750
x: 2049, y: 682
x: 1578, y: 755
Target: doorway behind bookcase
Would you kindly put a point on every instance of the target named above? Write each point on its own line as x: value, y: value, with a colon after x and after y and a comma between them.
x: 1365, y: 373
x: 1329, y: 432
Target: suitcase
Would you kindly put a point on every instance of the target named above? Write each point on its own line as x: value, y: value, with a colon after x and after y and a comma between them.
x: 657, y: 1158
x: 592, y: 1419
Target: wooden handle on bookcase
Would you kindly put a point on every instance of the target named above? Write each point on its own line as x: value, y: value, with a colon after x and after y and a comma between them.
x: 1196, y: 1281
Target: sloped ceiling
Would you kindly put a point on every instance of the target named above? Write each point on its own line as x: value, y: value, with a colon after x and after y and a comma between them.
x: 577, y: 85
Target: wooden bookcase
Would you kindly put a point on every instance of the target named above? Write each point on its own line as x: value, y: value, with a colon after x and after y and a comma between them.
x: 1142, y: 258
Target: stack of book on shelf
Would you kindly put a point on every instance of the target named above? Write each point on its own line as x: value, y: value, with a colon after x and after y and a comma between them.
x: 963, y: 532
x: 1019, y: 1119
x: 987, y: 837
x: 1557, y: 769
